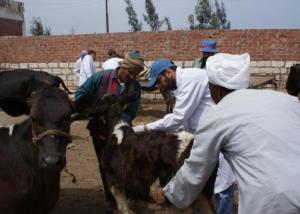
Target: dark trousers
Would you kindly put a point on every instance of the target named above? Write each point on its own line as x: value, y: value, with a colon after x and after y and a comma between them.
x: 99, y: 145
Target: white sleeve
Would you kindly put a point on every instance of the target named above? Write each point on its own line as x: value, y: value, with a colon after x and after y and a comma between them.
x: 87, y: 66
x: 190, y: 179
x: 187, y: 100
x: 77, y: 66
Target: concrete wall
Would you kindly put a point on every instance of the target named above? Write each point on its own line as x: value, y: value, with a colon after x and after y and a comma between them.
x: 65, y: 70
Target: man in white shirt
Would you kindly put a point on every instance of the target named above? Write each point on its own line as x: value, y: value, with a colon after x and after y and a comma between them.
x: 192, y: 95
x: 77, y: 64
x: 258, y: 132
x: 87, y: 67
x: 112, y: 63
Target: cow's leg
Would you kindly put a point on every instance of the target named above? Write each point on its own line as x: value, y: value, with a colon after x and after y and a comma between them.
x: 121, y: 200
x: 168, y: 97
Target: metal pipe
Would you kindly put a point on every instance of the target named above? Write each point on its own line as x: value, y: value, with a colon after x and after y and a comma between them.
x: 106, y: 12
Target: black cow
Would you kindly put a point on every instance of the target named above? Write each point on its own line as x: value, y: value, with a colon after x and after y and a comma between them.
x: 32, y: 154
x: 293, y: 82
x: 17, y: 85
x: 134, y: 163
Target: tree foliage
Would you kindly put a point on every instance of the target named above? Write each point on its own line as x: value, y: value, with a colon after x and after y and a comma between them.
x: 152, y: 18
x: 132, y: 17
x: 37, y: 28
x: 208, y: 16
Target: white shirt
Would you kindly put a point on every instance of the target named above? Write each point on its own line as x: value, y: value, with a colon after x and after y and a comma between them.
x: 87, y: 68
x: 192, y: 99
x: 258, y: 132
x: 112, y: 63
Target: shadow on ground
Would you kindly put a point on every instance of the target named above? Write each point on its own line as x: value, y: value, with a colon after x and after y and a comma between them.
x: 80, y: 201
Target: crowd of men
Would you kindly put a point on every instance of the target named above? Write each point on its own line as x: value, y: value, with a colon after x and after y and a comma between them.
x: 252, y: 134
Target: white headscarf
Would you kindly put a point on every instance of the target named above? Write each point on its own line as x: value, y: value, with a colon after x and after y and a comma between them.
x: 229, y: 71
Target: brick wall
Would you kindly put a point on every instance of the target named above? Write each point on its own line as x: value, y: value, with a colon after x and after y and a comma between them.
x: 263, y: 45
x: 272, y: 51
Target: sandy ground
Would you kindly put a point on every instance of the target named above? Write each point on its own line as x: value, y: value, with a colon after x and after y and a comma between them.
x: 86, y: 196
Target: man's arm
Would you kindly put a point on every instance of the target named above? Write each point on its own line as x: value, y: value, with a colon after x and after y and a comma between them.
x: 130, y: 113
x: 90, y: 86
x: 187, y: 100
x: 190, y: 179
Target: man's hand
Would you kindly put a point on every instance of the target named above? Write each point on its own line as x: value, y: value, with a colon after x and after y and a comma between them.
x: 158, y: 195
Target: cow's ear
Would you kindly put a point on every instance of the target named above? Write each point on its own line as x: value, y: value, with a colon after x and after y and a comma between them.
x: 86, y: 104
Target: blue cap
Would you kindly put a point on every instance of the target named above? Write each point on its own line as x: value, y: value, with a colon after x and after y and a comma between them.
x: 157, y: 67
x: 209, y: 46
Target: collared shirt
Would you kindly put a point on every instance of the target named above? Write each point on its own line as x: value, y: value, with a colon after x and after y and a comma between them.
x: 192, y: 99
x: 258, y: 132
x: 92, y: 85
x: 87, y: 68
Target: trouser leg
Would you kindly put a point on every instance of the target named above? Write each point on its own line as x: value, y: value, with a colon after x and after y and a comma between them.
x: 99, y: 145
x: 225, y: 201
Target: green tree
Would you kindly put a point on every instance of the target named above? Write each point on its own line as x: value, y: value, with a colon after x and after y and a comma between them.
x: 191, y: 21
x: 47, y: 31
x: 209, y: 17
x: 203, y: 12
x: 132, y: 17
x: 168, y: 23
x: 37, y: 28
x: 152, y: 18
x: 223, y: 17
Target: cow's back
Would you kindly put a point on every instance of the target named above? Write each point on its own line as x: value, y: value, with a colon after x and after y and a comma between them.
x: 16, y: 87
x: 136, y: 163
x: 20, y: 83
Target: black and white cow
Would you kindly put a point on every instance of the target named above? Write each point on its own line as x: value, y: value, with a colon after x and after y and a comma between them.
x: 32, y: 154
x: 134, y: 163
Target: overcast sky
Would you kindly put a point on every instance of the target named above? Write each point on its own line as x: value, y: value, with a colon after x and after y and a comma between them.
x: 88, y: 16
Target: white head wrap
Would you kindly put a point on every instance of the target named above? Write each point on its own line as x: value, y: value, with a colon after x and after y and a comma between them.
x: 229, y: 71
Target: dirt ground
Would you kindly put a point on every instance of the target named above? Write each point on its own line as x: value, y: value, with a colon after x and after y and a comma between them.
x: 86, y: 196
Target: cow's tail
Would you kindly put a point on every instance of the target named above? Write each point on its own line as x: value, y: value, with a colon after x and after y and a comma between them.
x: 62, y: 83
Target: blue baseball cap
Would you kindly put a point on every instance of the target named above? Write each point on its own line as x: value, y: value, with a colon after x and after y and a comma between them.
x: 209, y: 46
x: 157, y: 67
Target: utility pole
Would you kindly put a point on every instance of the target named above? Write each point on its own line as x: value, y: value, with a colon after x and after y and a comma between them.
x: 106, y: 13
